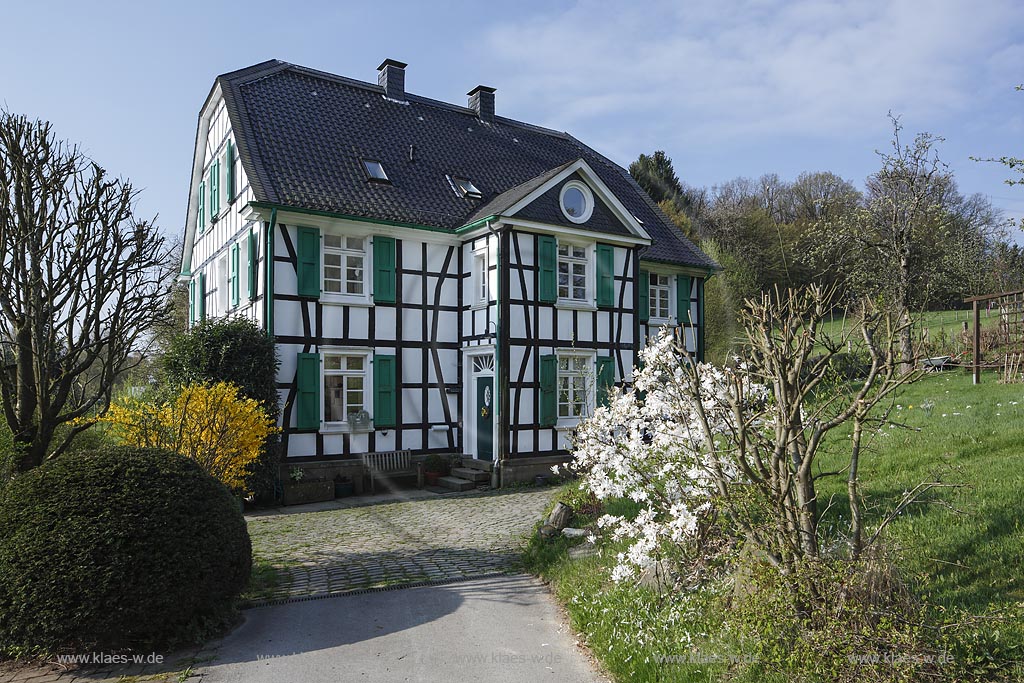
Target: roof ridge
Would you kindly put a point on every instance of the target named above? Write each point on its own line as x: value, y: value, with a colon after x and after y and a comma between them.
x: 273, y: 65
x: 253, y: 69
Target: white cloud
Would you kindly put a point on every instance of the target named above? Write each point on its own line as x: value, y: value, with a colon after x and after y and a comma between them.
x: 742, y: 69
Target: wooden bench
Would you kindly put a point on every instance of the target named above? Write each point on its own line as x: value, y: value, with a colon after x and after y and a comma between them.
x: 391, y: 464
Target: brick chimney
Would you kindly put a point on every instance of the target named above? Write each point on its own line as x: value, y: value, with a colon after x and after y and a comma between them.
x: 391, y: 77
x: 481, y: 100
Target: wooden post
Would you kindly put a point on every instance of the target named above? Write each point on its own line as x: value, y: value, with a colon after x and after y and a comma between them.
x: 977, y: 343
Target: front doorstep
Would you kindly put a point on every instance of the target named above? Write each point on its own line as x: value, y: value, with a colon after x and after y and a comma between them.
x: 307, y: 492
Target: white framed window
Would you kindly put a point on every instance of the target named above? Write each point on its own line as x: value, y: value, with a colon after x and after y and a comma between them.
x: 576, y: 201
x: 346, y: 388
x: 344, y: 269
x: 661, y: 297
x: 224, y: 283
x: 576, y: 383
x: 481, y: 277
x: 574, y: 273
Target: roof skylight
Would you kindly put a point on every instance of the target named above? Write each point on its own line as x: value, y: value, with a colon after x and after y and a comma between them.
x: 375, y: 170
x: 467, y: 188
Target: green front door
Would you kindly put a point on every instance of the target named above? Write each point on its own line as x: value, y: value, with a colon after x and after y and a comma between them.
x: 485, y: 418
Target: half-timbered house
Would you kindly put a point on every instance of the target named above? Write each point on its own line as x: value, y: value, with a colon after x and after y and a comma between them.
x: 437, y: 278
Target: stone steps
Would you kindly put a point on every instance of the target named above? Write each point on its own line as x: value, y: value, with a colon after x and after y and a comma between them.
x: 481, y: 465
x: 470, y: 474
x: 456, y: 484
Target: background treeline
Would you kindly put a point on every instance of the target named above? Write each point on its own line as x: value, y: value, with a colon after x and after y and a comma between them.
x: 822, y: 228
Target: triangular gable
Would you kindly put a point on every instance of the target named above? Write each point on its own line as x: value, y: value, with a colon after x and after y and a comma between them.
x: 541, y: 204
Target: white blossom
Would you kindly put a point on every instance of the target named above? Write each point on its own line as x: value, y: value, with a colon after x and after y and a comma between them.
x: 662, y: 452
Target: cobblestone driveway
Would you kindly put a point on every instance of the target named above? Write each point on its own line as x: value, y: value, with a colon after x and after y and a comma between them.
x: 403, y: 542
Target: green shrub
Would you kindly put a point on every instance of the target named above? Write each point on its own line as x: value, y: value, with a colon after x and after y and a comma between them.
x: 116, y: 549
x: 232, y: 350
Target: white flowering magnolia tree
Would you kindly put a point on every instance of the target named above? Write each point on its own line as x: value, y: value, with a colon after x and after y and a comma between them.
x: 694, y: 444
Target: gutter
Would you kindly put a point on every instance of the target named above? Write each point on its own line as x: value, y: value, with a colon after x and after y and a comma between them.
x: 344, y: 216
x: 476, y: 224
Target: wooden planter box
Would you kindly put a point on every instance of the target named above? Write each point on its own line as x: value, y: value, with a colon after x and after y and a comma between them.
x: 307, y: 492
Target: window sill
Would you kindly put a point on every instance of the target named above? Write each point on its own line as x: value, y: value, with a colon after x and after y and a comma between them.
x: 342, y: 300
x: 342, y: 428
x: 661, y: 322
x: 567, y: 424
x: 572, y: 304
x: 479, y: 306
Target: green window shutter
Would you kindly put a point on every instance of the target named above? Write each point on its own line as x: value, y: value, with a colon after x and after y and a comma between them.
x: 605, y: 275
x: 201, y: 294
x: 547, y: 266
x: 254, y: 257
x: 605, y: 378
x: 309, y: 262
x: 191, y: 301
x: 307, y: 396
x: 201, y: 220
x: 384, y: 280
x: 644, y: 284
x: 548, y: 390
x: 235, y: 254
x: 229, y: 160
x: 385, y: 392
x: 683, y: 299
x: 214, y: 183
x: 700, y: 320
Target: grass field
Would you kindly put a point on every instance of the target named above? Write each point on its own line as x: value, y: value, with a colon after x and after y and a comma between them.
x: 962, y: 549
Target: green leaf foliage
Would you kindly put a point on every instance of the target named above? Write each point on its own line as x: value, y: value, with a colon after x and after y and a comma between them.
x: 232, y: 350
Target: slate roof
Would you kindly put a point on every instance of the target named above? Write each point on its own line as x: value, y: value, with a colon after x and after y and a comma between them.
x: 302, y: 133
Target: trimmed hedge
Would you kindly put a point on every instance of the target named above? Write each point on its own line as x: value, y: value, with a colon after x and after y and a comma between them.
x: 117, y: 549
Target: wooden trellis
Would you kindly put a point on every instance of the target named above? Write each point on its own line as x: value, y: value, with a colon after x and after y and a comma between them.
x: 1006, y: 340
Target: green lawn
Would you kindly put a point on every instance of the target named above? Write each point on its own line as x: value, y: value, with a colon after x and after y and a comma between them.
x: 965, y: 544
x: 962, y: 549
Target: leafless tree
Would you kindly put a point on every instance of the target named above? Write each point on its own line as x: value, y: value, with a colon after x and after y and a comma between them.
x: 81, y: 286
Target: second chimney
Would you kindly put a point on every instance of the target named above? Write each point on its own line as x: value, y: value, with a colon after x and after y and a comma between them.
x: 391, y: 77
x: 481, y: 100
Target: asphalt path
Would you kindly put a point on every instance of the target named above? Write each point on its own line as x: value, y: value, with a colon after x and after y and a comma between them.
x: 504, y: 629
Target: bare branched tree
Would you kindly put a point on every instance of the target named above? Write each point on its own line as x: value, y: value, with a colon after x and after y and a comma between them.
x: 81, y: 286
x: 777, y: 506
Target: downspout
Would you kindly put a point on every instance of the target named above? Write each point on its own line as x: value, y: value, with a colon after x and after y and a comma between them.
x: 499, y: 393
x: 268, y: 295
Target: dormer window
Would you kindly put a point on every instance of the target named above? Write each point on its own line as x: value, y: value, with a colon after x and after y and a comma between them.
x: 466, y: 188
x: 375, y: 171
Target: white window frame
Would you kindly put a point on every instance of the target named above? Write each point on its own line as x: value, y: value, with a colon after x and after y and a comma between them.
x: 344, y: 252
x: 656, y: 319
x: 367, y: 374
x: 243, y: 270
x: 588, y: 302
x: 589, y: 386
x: 224, y: 282
x: 481, y: 280
x: 588, y: 198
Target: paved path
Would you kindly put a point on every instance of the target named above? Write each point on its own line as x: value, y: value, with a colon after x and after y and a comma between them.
x: 442, y: 538
x: 494, y: 629
x: 500, y: 630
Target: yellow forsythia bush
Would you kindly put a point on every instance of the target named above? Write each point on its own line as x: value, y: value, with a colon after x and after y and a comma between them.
x: 209, y: 423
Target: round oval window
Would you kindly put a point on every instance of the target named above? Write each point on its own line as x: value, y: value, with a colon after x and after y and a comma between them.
x: 574, y: 202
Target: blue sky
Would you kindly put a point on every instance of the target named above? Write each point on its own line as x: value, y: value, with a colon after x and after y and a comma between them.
x: 728, y: 88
